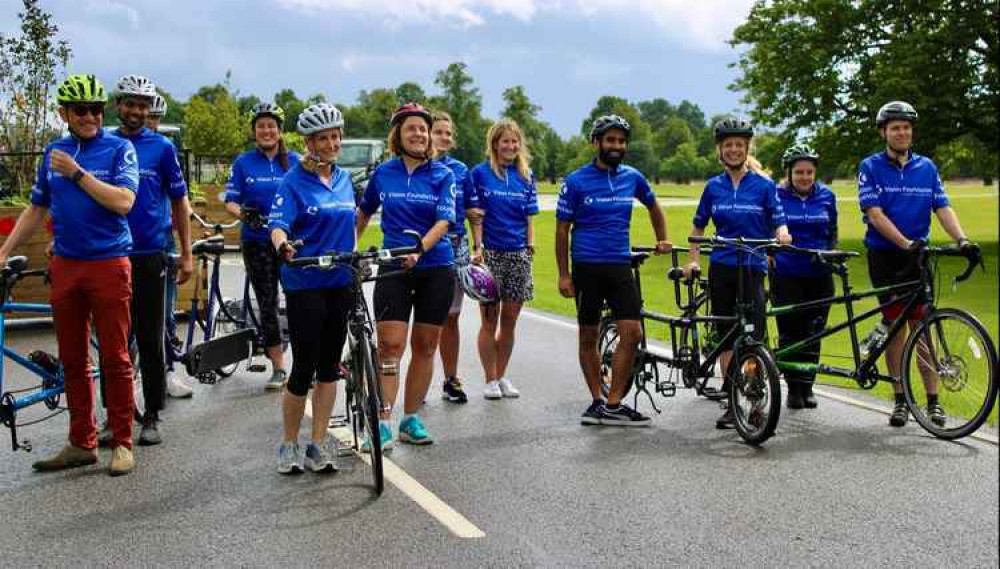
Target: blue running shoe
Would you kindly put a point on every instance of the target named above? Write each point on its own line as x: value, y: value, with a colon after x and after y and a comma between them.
x: 289, y: 458
x: 412, y: 431
x: 320, y: 458
x: 384, y: 433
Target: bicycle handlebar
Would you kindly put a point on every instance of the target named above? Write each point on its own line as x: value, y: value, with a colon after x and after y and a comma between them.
x: 971, y: 252
x: 218, y: 227
x: 356, y: 258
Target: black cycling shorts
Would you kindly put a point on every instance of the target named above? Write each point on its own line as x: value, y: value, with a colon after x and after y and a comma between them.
x: 888, y: 268
x: 317, y: 326
x: 427, y: 293
x: 597, y: 283
x: 723, y: 288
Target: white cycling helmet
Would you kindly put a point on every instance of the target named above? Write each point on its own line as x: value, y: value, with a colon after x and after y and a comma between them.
x: 321, y: 116
x: 158, y: 107
x: 135, y: 86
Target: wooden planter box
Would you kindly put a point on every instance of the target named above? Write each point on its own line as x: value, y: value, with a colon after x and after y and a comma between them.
x: 35, y: 290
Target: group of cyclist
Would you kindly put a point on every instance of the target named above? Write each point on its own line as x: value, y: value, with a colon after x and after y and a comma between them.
x: 114, y: 197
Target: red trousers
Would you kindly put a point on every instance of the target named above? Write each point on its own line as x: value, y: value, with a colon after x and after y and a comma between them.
x: 98, y: 292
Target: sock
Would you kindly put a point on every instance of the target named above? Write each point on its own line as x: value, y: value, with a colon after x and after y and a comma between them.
x: 612, y: 407
x: 900, y: 399
x: 932, y: 399
x: 406, y: 416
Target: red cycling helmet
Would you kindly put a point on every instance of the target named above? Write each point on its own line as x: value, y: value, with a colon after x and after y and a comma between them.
x: 411, y: 110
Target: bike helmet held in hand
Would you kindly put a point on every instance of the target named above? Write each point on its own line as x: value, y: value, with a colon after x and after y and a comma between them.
x: 321, y: 116
x: 477, y: 281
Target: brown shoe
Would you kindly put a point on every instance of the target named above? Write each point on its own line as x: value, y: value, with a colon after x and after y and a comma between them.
x: 69, y: 457
x: 122, y: 461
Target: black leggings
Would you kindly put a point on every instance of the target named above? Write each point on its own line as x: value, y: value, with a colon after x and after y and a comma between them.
x: 799, y: 325
x: 723, y: 288
x: 317, y: 324
x: 149, y: 274
x: 262, y: 266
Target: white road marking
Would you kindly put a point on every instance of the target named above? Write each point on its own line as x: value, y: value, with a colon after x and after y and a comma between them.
x: 823, y: 393
x: 414, y: 490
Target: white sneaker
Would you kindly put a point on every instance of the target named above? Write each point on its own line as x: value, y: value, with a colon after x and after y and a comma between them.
x: 492, y: 390
x: 176, y: 387
x: 508, y: 389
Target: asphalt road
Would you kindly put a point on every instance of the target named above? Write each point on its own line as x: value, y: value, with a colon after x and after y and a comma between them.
x: 835, y: 487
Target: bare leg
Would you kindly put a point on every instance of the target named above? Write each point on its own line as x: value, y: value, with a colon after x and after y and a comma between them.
x: 590, y: 360
x: 391, y: 343
x: 509, y: 311
x: 629, y: 334
x: 487, y: 340
x: 423, y: 344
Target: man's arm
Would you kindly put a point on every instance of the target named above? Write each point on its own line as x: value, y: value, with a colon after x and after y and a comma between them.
x: 949, y: 221
x: 181, y: 211
x: 28, y: 222
x: 886, y: 228
x: 114, y: 198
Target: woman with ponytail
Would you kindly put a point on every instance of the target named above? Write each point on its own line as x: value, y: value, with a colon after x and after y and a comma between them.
x: 250, y: 191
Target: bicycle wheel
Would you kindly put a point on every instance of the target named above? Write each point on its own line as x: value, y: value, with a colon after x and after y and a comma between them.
x: 222, y: 325
x: 952, y: 350
x: 607, y: 344
x: 755, y: 394
x: 369, y: 403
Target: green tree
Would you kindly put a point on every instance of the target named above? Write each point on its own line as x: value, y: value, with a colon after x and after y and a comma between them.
x: 247, y: 103
x: 214, y: 128
x: 671, y: 135
x: 519, y: 108
x: 641, y: 154
x: 656, y: 112
x: 410, y: 92
x: 29, y: 64
x: 292, y: 105
x: 684, y: 165
x: 461, y: 99
x: 807, y: 65
x: 691, y: 113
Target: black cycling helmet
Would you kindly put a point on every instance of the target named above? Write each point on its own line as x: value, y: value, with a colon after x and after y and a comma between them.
x: 733, y: 126
x: 411, y: 110
x: 607, y: 122
x: 895, y: 111
x: 797, y: 152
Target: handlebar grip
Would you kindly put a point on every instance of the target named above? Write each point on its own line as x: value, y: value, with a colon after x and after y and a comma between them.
x: 700, y: 239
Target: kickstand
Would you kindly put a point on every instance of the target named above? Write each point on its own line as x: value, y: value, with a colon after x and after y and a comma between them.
x: 642, y: 389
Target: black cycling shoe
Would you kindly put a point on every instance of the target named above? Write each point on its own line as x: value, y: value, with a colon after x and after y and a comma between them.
x: 727, y: 420
x: 808, y: 399
x: 936, y: 413
x: 795, y: 399
x: 149, y: 433
x: 453, y: 391
x: 900, y: 415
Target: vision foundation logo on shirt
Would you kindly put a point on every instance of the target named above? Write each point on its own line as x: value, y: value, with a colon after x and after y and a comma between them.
x: 409, y: 196
x: 604, y: 200
x: 737, y: 207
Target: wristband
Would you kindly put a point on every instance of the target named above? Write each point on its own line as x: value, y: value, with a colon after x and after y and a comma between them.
x: 78, y: 175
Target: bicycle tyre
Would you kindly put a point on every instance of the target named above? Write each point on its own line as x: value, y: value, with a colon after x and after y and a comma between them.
x: 369, y: 403
x: 966, y: 361
x: 755, y: 394
x: 222, y: 325
x: 607, y: 344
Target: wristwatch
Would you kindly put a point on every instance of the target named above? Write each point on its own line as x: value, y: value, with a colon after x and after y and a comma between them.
x: 78, y: 175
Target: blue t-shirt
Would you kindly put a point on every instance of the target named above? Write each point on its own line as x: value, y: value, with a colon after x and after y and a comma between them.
x: 83, y: 228
x: 812, y: 222
x: 506, y: 202
x: 906, y: 195
x: 253, y: 182
x: 751, y: 211
x: 413, y: 201
x: 599, y: 204
x: 322, y: 217
x: 160, y: 180
x: 465, y: 195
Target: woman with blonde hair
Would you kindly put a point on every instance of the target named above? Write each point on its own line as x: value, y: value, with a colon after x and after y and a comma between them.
x: 505, y: 189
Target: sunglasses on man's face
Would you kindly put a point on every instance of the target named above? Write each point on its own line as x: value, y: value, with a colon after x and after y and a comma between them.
x: 82, y: 110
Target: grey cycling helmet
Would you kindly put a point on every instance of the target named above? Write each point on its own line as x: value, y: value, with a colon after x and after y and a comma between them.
x: 135, y: 86
x: 895, y: 111
x: 158, y: 107
x: 607, y: 122
x: 267, y: 110
x: 733, y: 126
x: 797, y: 152
x: 321, y: 116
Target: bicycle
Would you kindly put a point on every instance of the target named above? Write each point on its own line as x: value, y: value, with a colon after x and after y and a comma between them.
x: 363, y: 390
x: 947, y: 342
x: 45, y: 366
x: 221, y: 348
x: 754, y: 389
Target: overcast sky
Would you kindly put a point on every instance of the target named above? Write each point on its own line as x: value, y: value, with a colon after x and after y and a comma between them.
x: 566, y: 53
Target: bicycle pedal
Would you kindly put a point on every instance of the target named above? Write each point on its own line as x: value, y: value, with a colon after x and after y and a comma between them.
x: 257, y: 368
x: 208, y: 378
x: 666, y: 389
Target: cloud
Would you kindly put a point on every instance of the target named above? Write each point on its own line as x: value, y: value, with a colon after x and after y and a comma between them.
x: 115, y: 10
x: 704, y: 25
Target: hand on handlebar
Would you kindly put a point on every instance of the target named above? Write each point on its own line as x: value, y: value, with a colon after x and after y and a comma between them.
x: 410, y: 261
x: 287, y: 249
x: 691, y: 268
x: 663, y: 247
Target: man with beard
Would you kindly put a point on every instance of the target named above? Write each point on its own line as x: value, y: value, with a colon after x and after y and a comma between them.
x: 897, y: 191
x: 160, y: 183
x: 595, y: 208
